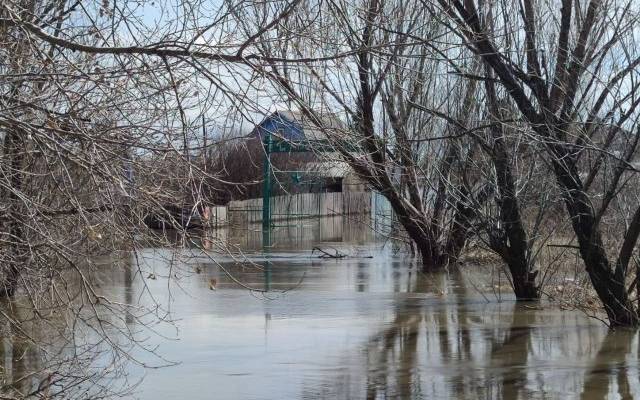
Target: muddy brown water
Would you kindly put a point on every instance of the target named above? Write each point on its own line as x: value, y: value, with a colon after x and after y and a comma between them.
x: 368, y: 326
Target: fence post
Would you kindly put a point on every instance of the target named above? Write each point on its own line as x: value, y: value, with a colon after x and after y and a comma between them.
x: 266, y: 194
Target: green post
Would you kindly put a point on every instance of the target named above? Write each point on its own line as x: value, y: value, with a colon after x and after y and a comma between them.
x: 267, y: 276
x: 266, y: 189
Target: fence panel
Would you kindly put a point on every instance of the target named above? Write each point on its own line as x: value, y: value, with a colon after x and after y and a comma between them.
x: 304, y: 205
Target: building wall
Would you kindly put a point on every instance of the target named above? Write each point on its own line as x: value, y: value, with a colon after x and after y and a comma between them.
x: 352, y: 183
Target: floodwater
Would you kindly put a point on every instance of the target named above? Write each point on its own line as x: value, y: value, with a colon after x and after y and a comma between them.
x: 367, y: 326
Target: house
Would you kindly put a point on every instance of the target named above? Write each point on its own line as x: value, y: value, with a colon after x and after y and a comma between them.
x: 321, y: 170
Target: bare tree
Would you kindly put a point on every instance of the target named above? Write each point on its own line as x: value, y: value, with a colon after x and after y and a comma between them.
x: 574, y: 84
x: 99, y: 127
x: 405, y: 119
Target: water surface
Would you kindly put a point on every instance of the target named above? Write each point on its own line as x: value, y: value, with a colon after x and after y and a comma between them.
x: 367, y: 326
x: 370, y: 326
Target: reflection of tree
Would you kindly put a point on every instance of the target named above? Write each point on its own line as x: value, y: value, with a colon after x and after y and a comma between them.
x: 128, y: 291
x: 609, y: 364
x: 440, y: 342
x: 393, y: 355
x: 511, y: 353
x: 20, y: 375
x: 85, y: 351
x: 393, y: 352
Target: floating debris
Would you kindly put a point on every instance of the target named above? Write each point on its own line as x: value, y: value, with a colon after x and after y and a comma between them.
x: 325, y: 254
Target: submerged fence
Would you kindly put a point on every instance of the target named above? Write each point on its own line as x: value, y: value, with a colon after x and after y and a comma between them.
x: 300, y: 206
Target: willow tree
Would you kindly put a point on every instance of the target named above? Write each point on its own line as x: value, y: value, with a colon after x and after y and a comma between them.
x: 404, y: 119
x: 574, y: 82
x: 96, y: 111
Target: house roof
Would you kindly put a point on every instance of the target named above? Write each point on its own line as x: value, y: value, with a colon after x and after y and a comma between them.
x: 296, y: 126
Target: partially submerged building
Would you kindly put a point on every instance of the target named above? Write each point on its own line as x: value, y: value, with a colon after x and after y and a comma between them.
x: 320, y: 169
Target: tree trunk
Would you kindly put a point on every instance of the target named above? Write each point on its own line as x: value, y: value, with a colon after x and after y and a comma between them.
x: 459, y: 231
x: 514, y: 244
x: 524, y: 281
x: 514, y: 251
x: 420, y: 232
x: 611, y: 290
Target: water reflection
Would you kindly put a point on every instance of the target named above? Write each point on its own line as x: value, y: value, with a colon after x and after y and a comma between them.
x: 19, y: 359
x: 611, y: 368
x: 296, y: 235
x: 355, y: 328
x: 372, y: 329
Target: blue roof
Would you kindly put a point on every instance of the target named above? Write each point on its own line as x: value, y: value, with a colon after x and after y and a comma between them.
x: 282, y: 125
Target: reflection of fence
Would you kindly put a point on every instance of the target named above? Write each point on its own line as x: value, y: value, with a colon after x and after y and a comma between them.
x: 301, y: 235
x: 299, y: 206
